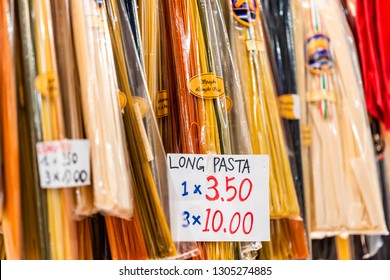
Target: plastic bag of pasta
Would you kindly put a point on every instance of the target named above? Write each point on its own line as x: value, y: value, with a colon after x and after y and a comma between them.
x: 343, y: 194
x: 288, y: 239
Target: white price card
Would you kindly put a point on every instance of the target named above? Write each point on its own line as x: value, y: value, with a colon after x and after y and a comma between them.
x: 64, y: 163
x: 219, y: 197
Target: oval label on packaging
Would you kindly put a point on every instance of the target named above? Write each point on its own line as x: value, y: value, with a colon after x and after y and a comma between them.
x: 229, y: 103
x: 207, y: 86
x: 47, y: 84
x: 162, y: 104
x: 122, y: 100
x: 143, y: 105
x: 246, y: 12
x: 318, y: 54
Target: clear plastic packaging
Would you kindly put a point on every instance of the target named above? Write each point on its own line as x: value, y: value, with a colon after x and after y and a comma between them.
x: 132, y: 8
x: 146, y: 151
x: 62, y: 228
x: 149, y: 18
x: 266, y: 131
x: 164, y: 97
x: 2, y: 248
x: 122, y: 231
x: 1, y: 179
x: 70, y: 88
x: 36, y: 239
x: 112, y: 178
x: 368, y: 23
x: 203, y: 122
x: 377, y: 246
x: 11, y: 222
x: 262, y: 110
x: 29, y: 181
x: 343, y: 194
x: 163, y: 101
x: 238, y: 124
x: 278, y: 28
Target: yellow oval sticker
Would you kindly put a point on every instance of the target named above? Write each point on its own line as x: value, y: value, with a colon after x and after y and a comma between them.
x: 122, y: 100
x: 229, y: 103
x: 143, y: 105
x: 207, y: 86
x: 47, y: 84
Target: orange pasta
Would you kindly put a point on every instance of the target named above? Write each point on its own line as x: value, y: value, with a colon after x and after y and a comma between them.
x: 9, y: 124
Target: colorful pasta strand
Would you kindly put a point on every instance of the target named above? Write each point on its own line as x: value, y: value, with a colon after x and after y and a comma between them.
x: 11, y: 222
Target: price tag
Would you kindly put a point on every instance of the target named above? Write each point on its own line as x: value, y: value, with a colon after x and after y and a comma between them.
x: 219, y: 197
x: 64, y: 163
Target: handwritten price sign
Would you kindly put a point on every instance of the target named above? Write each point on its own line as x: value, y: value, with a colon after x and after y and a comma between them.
x: 64, y: 163
x: 219, y: 197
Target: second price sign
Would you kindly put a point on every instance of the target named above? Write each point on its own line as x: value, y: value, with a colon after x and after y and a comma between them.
x: 219, y: 197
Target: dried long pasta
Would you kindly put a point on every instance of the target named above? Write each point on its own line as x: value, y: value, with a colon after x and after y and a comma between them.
x: 11, y: 223
x: 278, y: 26
x: 85, y: 250
x: 164, y: 101
x: 343, y: 196
x: 1, y: 179
x: 121, y: 232
x: 238, y: 125
x: 266, y: 132
x: 2, y: 248
x: 71, y: 100
x: 36, y: 239
x: 32, y: 243
x: 146, y: 150
x: 149, y: 22
x: 70, y: 89
x: 100, y: 244
x: 112, y: 180
x: 203, y: 122
x: 133, y: 9
x: 62, y: 228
